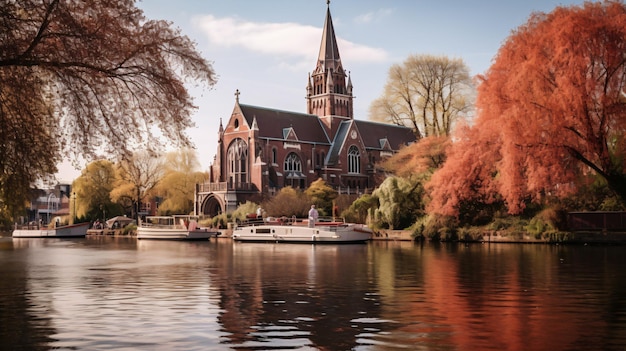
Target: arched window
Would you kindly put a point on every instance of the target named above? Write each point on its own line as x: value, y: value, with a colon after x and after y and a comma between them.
x: 274, y: 155
x: 293, y: 163
x: 354, y: 160
x: 293, y: 171
x: 238, y: 161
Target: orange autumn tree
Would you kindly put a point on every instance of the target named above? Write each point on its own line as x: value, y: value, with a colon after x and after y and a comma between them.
x: 424, y: 156
x: 551, y: 110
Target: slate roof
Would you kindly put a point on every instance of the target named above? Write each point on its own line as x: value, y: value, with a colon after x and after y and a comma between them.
x: 278, y: 125
x: 272, y: 122
x: 340, y: 139
x: 373, y: 132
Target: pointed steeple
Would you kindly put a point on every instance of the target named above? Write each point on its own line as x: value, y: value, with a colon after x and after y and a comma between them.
x: 349, y: 90
x: 328, y: 57
x: 329, y: 96
x: 309, y: 86
x: 255, y: 125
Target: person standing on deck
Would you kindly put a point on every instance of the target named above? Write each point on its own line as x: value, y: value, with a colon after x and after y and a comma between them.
x: 312, y: 216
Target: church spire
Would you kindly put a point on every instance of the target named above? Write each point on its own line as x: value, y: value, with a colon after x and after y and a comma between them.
x: 328, y: 57
x: 329, y: 91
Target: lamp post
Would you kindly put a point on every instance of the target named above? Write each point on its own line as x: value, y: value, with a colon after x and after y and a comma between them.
x: 74, y: 210
x: 49, y: 207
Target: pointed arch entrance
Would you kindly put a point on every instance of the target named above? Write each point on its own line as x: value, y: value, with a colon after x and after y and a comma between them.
x: 212, y: 205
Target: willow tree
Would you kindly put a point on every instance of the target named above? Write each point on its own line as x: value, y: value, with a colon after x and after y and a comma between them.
x: 92, y: 191
x: 87, y: 77
x: 426, y: 93
x: 180, y: 176
x: 551, y: 111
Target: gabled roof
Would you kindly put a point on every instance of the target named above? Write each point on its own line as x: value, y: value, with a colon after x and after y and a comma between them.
x: 340, y: 139
x: 289, y: 133
x: 373, y: 132
x: 384, y: 144
x: 272, y: 123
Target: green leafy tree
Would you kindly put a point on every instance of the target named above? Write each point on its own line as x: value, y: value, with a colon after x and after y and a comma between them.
x: 85, y: 77
x: 361, y: 209
x: 92, y: 190
x: 245, y: 209
x: 400, y: 202
x: 322, y: 196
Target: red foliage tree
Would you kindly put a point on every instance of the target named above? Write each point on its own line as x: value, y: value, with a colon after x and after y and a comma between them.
x: 426, y: 155
x: 551, y: 110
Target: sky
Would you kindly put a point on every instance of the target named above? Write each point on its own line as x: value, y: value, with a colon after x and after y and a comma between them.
x: 266, y: 49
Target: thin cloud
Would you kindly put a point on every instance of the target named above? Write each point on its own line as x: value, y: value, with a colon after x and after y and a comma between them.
x: 286, y: 41
x: 373, y: 16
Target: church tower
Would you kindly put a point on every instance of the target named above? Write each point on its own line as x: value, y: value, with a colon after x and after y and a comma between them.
x: 329, y: 89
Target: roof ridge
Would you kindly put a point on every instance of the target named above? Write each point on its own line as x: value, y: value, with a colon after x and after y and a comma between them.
x: 277, y: 110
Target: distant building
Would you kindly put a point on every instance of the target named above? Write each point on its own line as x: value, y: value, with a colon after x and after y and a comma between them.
x: 47, y: 204
x: 261, y: 150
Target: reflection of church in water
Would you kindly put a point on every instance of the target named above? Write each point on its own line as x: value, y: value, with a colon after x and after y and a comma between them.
x: 261, y: 150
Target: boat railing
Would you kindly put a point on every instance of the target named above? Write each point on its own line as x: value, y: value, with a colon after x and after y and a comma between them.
x: 30, y: 226
x: 162, y: 226
x: 167, y: 222
x: 296, y: 221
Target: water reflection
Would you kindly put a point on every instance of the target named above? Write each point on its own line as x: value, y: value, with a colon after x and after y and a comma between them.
x: 299, y: 294
x: 120, y: 293
x: 505, y: 297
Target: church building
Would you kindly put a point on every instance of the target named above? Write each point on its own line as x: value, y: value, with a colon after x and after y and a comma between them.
x: 261, y: 149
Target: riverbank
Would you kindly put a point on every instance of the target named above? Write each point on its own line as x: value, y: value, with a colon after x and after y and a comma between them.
x: 578, y: 237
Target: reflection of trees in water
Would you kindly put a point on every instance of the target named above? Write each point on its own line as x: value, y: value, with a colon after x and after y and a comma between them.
x: 24, y: 320
x: 300, y: 293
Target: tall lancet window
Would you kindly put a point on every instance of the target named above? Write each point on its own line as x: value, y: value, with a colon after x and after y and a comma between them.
x: 293, y: 163
x: 293, y: 171
x: 238, y: 162
x: 354, y: 160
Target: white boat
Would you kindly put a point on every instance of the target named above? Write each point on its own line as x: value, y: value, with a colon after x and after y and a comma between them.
x: 78, y: 230
x: 299, y: 232
x: 176, y: 227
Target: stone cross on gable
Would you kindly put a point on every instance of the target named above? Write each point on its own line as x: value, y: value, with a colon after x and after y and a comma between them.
x: 237, y: 95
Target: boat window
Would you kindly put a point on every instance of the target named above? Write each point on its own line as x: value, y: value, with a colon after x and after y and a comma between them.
x: 263, y: 230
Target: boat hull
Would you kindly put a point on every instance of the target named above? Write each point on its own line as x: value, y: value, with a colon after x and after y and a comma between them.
x: 176, y: 227
x: 174, y: 234
x: 349, y: 233
x: 68, y: 231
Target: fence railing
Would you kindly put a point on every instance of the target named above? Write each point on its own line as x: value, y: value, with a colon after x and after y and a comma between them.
x: 225, y: 186
x: 596, y: 221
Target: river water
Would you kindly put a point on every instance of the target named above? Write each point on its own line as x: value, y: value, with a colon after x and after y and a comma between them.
x: 105, y: 293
